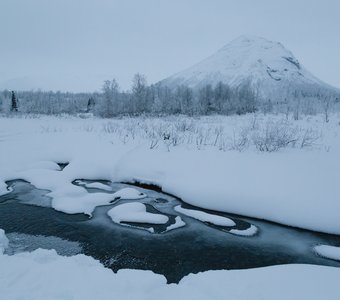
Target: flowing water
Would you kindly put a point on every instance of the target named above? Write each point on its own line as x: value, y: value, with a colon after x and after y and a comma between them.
x: 30, y: 222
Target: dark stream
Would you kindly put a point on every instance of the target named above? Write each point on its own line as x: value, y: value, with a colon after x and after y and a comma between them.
x: 30, y: 222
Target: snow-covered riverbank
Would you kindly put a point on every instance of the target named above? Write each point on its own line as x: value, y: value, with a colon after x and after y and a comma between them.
x: 43, y: 274
x: 293, y: 186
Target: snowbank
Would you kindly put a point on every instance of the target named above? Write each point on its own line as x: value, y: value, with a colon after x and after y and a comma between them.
x: 327, y: 251
x: 43, y: 275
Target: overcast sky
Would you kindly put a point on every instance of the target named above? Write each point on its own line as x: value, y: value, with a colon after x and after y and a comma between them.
x: 75, y: 45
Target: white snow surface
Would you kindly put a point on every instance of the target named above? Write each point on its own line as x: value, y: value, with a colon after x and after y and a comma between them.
x: 293, y: 186
x: 331, y: 252
x: 205, y: 217
x: 178, y: 223
x: 3, y: 241
x: 267, y: 65
x: 129, y: 194
x: 251, y: 231
x: 44, y: 275
x: 135, y: 212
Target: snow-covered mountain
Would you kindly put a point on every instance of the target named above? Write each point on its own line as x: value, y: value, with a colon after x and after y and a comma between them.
x: 267, y: 66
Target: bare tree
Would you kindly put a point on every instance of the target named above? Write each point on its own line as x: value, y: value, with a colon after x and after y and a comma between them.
x: 109, y: 107
x: 327, y: 102
x: 206, y: 100
x: 139, y: 92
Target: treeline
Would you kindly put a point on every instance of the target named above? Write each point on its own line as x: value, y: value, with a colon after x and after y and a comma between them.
x: 159, y: 100
x: 141, y: 99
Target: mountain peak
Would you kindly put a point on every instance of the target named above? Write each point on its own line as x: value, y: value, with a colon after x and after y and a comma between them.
x: 267, y: 65
x: 250, y: 41
x: 247, y: 38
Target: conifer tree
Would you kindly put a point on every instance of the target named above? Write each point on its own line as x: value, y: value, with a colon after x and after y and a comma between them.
x: 90, y: 105
x: 14, y: 103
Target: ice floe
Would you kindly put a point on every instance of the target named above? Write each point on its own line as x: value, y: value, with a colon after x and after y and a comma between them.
x: 250, y: 231
x: 135, y: 212
x: 331, y: 252
x: 178, y: 223
x: 205, y: 217
x: 98, y: 185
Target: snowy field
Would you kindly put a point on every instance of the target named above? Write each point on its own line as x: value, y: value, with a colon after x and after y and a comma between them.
x: 261, y: 166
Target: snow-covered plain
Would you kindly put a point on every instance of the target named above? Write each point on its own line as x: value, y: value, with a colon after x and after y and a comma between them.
x: 205, y: 162
x: 43, y: 274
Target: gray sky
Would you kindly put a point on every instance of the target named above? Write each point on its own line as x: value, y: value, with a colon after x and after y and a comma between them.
x: 75, y: 45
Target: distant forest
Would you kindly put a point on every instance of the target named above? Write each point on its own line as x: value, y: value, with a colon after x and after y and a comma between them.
x: 161, y: 100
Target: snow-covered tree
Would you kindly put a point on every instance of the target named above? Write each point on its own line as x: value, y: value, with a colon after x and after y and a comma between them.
x: 205, y: 100
x: 140, y: 93
x: 110, y: 101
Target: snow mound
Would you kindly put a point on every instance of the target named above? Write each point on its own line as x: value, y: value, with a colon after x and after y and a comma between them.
x: 251, y: 231
x: 3, y: 241
x: 128, y: 194
x: 205, y: 217
x: 84, y: 203
x: 98, y: 185
x: 331, y: 252
x: 135, y: 213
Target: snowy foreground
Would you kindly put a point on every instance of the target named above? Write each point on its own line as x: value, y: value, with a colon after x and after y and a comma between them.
x: 42, y: 274
x: 206, y: 163
x: 216, y: 163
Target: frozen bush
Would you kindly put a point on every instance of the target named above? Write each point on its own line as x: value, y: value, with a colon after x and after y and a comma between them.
x: 240, y: 140
x: 309, y: 138
x: 274, y: 135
